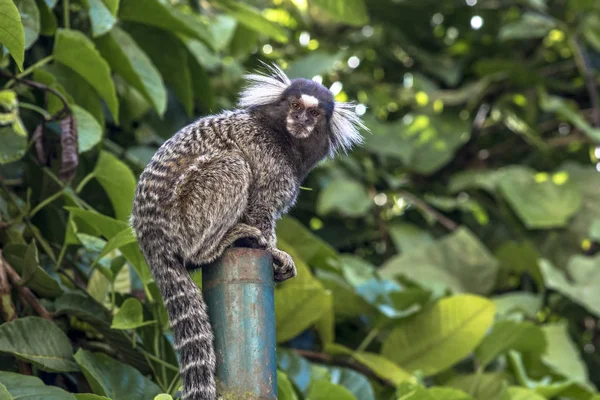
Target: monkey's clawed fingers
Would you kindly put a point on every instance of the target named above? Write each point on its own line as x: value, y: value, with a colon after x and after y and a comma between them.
x: 283, y: 265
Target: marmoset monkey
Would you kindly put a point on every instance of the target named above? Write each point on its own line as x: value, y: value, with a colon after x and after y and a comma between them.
x: 228, y: 177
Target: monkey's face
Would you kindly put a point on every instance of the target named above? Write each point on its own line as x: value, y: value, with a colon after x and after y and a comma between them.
x: 309, y: 106
x: 303, y: 115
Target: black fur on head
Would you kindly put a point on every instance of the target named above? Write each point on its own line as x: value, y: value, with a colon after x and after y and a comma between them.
x: 303, y: 109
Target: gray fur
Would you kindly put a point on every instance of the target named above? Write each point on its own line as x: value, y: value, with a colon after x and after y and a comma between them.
x: 220, y: 180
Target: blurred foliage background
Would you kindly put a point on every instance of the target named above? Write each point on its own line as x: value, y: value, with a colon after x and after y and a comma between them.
x: 453, y: 256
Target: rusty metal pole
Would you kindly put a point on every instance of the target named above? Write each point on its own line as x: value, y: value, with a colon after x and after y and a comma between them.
x: 239, y: 292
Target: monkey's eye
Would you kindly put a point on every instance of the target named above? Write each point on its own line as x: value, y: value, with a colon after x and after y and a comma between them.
x: 295, y: 105
x: 314, y: 112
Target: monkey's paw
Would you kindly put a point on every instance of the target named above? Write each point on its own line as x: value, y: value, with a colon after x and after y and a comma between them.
x: 283, y: 265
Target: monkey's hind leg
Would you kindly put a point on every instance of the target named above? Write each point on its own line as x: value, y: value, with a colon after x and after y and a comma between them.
x: 239, y: 231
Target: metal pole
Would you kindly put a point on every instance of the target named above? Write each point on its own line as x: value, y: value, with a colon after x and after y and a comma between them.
x: 239, y: 292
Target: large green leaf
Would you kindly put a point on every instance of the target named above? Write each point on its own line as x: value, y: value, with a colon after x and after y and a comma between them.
x: 170, y: 57
x: 13, y: 146
x: 562, y: 355
x: 47, y: 19
x: 424, y: 143
x: 315, y: 63
x: 130, y: 315
x: 160, y: 15
x: 111, y: 378
x: 506, y: 335
x: 109, y: 227
x: 251, y: 18
x: 346, y: 196
x: 459, y: 260
x: 487, y: 386
x: 440, y: 336
x: 38, y: 341
x: 298, y: 307
x: 118, y: 181
x: 407, y: 237
x: 356, y: 383
x: 585, y: 272
x: 12, y: 34
x: 352, y: 12
x: 89, y: 131
x: 325, y: 390
x: 132, y: 64
x: 39, y: 281
x: 31, y: 388
x: 284, y: 387
x: 101, y: 17
x: 530, y: 25
x: 30, y: 17
x: 76, y: 51
x: 568, y: 111
x: 519, y: 393
x: 540, y: 200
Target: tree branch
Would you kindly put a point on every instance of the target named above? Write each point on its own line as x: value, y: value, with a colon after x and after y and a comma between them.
x: 423, y: 206
x: 24, y: 292
x: 349, y: 363
x: 7, y: 306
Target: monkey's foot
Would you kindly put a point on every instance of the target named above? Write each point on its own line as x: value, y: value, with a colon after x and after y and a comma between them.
x: 283, y: 265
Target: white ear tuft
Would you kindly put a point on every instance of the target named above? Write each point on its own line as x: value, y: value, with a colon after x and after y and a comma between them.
x: 345, y: 125
x: 264, y: 88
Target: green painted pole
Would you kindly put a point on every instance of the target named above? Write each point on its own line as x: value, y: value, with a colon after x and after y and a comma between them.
x: 239, y: 292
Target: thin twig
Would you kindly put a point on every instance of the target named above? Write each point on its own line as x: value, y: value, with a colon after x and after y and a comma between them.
x: 349, y: 363
x: 7, y: 306
x: 25, y: 293
x: 423, y: 206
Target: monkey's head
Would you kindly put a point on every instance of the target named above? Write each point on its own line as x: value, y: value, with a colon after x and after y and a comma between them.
x: 303, y: 109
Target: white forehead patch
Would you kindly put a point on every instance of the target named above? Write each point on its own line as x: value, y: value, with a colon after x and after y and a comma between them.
x: 309, y: 101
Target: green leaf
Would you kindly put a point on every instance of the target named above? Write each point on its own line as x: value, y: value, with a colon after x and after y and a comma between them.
x: 284, y: 387
x: 31, y: 263
x: 74, y: 50
x: 30, y: 17
x: 424, y: 143
x: 562, y: 355
x: 89, y: 396
x: 160, y: 15
x: 459, y: 260
x: 351, y: 12
x: 170, y: 57
x: 47, y: 19
x: 251, y: 18
x: 511, y: 335
x: 443, y: 393
x: 38, y: 341
x: 110, y: 227
x: 12, y: 34
x: 298, y: 307
x: 521, y: 257
x: 123, y: 238
x: 563, y: 108
x: 41, y: 283
x: 31, y: 388
x: 315, y: 63
x: 4, y: 394
x: 519, y: 393
x: 540, y: 200
x: 113, y: 5
x: 118, y: 182
x: 380, y: 365
x: 346, y: 196
x: 109, y: 377
x: 163, y: 396
x: 130, y: 315
x: 101, y: 17
x: 13, y: 144
x: 325, y: 390
x: 486, y: 386
x: 356, y: 383
x: 314, y: 250
x: 585, y: 272
x: 408, y: 237
x: 89, y: 131
x: 529, y: 26
x: 528, y: 303
x: 474, y: 179
x: 75, y: 88
x: 441, y: 336
x: 132, y: 64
